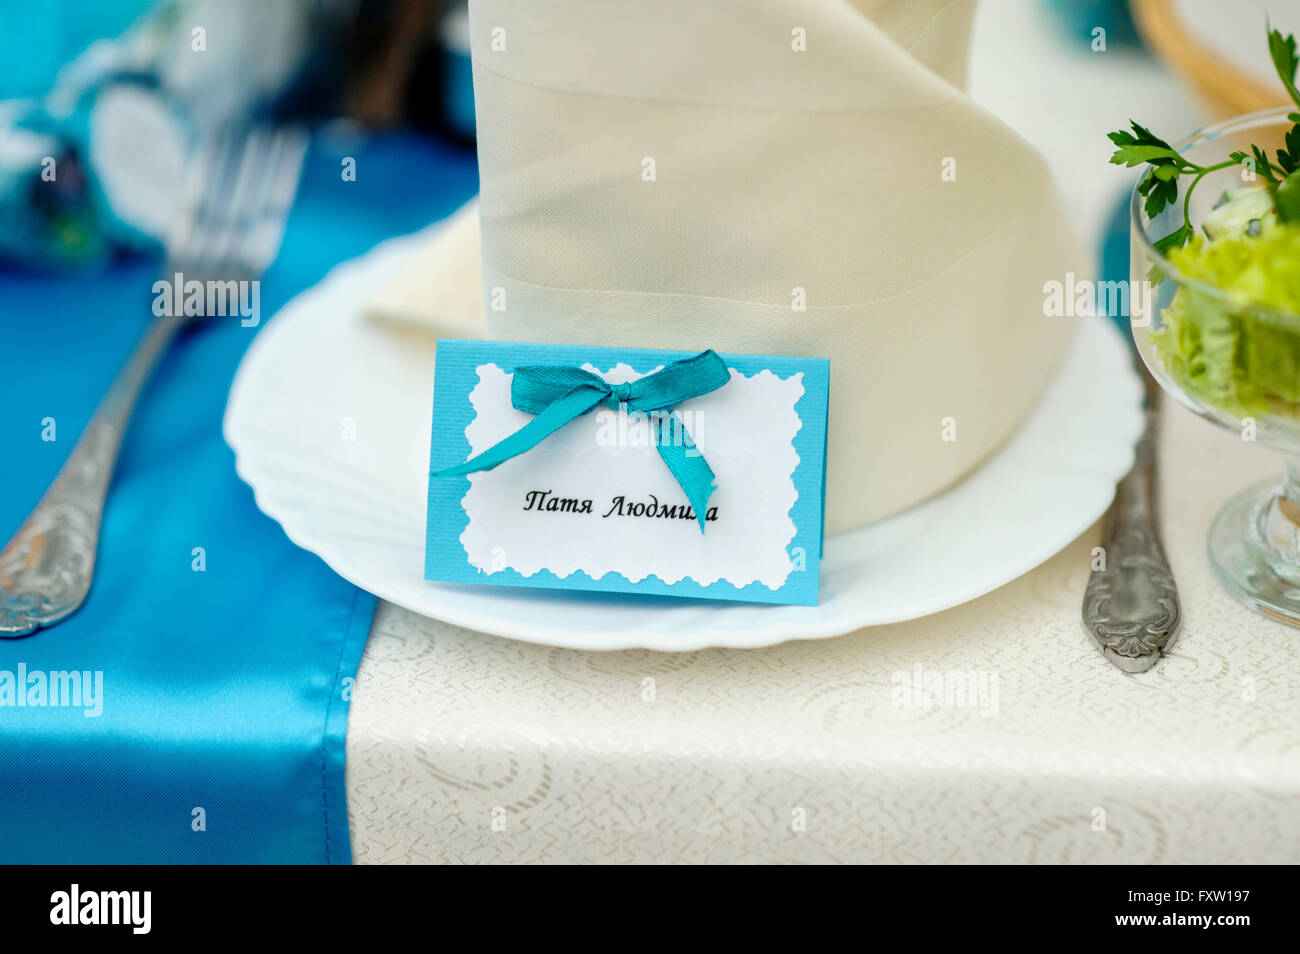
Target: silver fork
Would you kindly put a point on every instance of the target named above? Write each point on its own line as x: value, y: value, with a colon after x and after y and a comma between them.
x: 237, y: 194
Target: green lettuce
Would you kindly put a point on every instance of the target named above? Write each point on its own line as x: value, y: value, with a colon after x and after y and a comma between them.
x: 1214, y: 346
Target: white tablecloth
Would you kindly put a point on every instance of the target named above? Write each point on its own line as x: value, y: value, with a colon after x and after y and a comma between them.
x: 466, y: 747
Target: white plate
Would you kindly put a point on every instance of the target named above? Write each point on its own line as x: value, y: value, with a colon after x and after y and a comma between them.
x: 329, y: 417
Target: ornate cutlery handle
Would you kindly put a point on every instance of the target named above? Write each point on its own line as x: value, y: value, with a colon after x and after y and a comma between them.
x: 46, y: 569
x: 1131, y: 605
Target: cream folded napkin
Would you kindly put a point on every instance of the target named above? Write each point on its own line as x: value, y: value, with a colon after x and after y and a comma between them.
x: 439, y: 288
x: 769, y: 176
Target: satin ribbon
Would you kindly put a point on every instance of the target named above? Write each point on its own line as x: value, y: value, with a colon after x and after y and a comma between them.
x: 558, y: 395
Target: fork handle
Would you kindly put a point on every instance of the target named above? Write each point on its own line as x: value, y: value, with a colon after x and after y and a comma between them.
x: 46, y: 569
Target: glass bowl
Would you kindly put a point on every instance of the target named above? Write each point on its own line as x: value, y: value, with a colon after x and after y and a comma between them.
x: 1196, y: 339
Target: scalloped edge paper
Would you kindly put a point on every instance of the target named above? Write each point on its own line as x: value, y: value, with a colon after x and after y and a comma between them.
x: 583, y: 510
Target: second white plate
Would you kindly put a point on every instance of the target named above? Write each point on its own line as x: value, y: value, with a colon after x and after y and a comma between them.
x: 329, y: 417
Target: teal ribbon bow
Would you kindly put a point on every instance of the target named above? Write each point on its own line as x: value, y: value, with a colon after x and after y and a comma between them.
x: 558, y: 395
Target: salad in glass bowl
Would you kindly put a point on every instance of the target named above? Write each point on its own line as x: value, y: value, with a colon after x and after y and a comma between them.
x: 1215, y: 310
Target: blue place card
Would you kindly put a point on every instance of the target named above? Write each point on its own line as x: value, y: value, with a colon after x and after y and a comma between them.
x: 628, y: 470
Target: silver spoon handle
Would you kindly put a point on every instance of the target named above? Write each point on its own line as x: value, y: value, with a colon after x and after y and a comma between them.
x: 1130, y: 605
x: 46, y: 569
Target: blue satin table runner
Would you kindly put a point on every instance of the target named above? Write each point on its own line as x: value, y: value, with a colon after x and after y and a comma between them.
x: 216, y: 656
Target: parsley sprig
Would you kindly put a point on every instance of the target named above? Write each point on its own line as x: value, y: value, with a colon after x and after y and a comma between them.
x: 1159, y: 188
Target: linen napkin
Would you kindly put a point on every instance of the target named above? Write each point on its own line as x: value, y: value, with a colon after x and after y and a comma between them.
x: 440, y: 287
x: 776, y: 177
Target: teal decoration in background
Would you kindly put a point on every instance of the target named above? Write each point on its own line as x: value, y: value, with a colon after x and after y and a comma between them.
x: 37, y: 37
x: 96, y: 134
x: 1115, y: 256
x: 1076, y: 19
x: 63, y: 224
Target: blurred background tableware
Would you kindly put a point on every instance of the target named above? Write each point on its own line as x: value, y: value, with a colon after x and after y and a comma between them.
x: 163, y: 133
x: 102, y: 104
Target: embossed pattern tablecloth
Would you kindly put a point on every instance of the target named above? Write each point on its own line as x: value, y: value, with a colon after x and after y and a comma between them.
x: 464, y: 747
